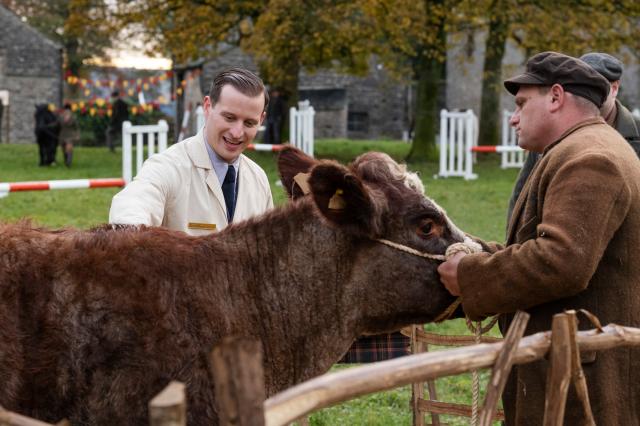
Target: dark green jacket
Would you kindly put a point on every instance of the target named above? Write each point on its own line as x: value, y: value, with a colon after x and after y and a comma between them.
x: 626, y: 124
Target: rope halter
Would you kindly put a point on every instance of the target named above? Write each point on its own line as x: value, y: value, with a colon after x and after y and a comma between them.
x: 467, y: 246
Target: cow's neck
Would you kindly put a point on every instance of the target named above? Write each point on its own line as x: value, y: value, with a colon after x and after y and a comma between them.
x: 297, y: 277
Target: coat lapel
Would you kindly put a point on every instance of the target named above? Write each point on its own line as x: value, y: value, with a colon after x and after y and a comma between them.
x: 197, y: 152
x: 242, y: 198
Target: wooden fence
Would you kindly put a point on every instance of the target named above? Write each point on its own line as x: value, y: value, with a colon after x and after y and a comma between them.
x: 239, y: 383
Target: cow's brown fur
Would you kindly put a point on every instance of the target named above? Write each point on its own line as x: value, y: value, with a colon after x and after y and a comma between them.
x: 95, y: 323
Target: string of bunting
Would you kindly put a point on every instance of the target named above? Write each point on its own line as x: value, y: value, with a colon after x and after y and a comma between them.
x: 100, y: 104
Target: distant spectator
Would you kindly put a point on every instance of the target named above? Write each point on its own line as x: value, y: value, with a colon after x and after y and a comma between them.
x: 275, y: 117
x: 119, y: 114
x: 47, y: 130
x: 69, y: 134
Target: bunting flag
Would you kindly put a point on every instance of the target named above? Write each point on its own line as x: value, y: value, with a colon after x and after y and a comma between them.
x: 99, y: 103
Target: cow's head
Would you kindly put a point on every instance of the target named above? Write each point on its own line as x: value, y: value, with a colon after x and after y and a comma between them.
x: 376, y: 198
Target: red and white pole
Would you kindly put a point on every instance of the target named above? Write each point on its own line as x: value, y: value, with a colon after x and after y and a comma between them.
x: 6, y: 187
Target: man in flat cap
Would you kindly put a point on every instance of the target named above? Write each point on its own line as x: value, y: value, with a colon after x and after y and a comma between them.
x: 571, y: 244
x: 614, y: 113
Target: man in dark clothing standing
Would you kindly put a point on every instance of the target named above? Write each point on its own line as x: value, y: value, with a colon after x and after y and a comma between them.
x: 275, y: 117
x: 614, y: 113
x: 47, y: 130
x: 119, y: 114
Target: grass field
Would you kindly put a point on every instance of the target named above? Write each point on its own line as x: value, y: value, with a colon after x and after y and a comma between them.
x: 478, y: 207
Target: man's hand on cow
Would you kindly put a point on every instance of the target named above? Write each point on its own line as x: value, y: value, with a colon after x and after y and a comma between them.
x: 449, y: 273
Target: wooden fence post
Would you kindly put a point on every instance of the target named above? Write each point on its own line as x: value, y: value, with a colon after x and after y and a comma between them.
x: 169, y: 407
x: 502, y: 367
x: 559, y: 374
x: 239, y: 382
x: 577, y: 375
x: 417, y: 389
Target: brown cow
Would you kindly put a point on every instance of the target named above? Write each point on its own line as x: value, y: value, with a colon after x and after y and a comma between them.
x: 94, y: 324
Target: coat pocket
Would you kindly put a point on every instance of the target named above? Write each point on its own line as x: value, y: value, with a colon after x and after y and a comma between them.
x: 528, y: 230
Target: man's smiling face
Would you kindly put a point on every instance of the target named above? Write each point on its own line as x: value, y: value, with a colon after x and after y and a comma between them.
x: 232, y: 123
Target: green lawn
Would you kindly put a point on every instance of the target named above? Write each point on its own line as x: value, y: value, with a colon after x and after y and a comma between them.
x: 478, y: 207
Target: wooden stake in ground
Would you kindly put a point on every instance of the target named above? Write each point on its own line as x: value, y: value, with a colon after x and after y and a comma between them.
x: 559, y: 373
x: 502, y: 367
x: 577, y: 375
x: 239, y: 382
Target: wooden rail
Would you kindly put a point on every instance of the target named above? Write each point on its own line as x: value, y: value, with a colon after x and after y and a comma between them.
x: 246, y: 387
x: 341, y: 386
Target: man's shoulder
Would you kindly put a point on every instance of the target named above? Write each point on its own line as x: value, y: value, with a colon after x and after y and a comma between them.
x: 251, y: 165
x: 253, y: 168
x: 627, y: 124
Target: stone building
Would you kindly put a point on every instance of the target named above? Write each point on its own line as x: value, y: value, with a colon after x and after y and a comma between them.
x: 379, y: 107
x: 30, y: 73
x: 465, y: 59
x: 370, y: 107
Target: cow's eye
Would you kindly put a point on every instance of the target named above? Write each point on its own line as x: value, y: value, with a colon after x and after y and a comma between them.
x: 426, y: 228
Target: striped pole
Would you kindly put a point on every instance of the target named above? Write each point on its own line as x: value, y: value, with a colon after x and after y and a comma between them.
x: 496, y: 148
x: 265, y: 147
x: 7, y: 187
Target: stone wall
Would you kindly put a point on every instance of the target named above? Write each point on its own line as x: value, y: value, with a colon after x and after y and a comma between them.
x: 465, y: 66
x: 371, y: 107
x: 31, y: 70
x: 376, y: 106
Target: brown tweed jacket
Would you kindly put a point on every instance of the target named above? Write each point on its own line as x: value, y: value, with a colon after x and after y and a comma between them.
x: 571, y: 243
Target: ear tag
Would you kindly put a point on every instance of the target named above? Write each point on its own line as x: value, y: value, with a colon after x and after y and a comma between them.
x: 336, y: 202
x: 302, y: 179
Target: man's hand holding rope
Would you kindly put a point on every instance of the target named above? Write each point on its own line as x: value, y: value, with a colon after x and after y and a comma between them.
x: 448, y: 271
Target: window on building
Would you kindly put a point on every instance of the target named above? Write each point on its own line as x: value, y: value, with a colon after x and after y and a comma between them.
x: 358, y: 121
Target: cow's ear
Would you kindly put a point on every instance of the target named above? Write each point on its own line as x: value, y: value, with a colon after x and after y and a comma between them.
x: 342, y: 198
x: 293, y: 167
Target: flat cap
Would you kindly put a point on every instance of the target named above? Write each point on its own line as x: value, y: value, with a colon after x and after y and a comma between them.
x: 610, y: 67
x: 574, y: 75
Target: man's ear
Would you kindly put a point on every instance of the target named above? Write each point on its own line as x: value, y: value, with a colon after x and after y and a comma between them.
x: 207, y: 104
x: 262, y: 117
x: 557, y: 97
x: 342, y: 198
x: 293, y: 162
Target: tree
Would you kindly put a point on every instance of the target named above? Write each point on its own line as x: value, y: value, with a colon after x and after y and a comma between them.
x: 412, y: 41
x: 586, y: 26
x: 291, y: 35
x: 67, y: 22
x: 282, y: 35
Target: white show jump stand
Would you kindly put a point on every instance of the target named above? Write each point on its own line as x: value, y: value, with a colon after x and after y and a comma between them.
x: 301, y: 127
x: 459, y: 143
x: 156, y: 136
x: 458, y: 135
x: 515, y: 158
x: 154, y: 132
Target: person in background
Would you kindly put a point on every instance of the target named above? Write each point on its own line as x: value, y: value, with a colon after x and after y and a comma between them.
x: 47, y: 130
x: 69, y: 134
x: 571, y: 243
x: 119, y: 114
x: 276, y: 113
x: 205, y: 182
x: 614, y: 113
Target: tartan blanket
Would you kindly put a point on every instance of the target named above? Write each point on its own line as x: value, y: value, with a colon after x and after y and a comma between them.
x: 378, y: 347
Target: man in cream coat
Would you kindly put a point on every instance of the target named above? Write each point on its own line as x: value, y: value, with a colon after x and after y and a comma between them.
x: 203, y: 183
